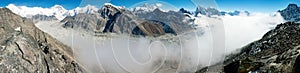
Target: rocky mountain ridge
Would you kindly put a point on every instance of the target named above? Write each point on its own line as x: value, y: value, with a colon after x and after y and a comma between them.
x: 25, y: 48
x: 114, y: 19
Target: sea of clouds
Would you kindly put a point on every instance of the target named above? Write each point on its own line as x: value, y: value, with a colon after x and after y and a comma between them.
x: 189, y: 52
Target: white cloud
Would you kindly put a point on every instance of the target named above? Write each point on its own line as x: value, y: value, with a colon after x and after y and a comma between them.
x: 138, y: 55
x: 241, y: 30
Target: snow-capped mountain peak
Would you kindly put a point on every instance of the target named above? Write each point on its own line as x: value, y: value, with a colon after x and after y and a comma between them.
x: 146, y: 8
x: 58, y: 7
x: 58, y: 11
x: 87, y: 9
x: 207, y: 11
x: 109, y: 4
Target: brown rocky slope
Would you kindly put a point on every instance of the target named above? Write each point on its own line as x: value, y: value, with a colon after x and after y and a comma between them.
x: 26, y: 49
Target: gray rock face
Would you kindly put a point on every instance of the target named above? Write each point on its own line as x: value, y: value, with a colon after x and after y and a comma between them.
x: 118, y: 20
x: 291, y: 13
x: 26, y: 49
x: 108, y: 19
x: 276, y: 52
x: 108, y: 11
x: 124, y: 23
x: 87, y: 22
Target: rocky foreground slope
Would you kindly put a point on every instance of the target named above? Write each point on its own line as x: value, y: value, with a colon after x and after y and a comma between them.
x: 276, y: 52
x: 26, y: 49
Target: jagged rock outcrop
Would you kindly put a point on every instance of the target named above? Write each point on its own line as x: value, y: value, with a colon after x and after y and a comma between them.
x: 109, y: 10
x: 26, y: 49
x: 291, y: 13
x: 111, y: 14
x: 276, y: 52
x: 182, y: 10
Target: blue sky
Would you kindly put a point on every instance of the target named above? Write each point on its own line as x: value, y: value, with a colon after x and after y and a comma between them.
x: 41, y: 3
x: 226, y: 5
x: 255, y: 5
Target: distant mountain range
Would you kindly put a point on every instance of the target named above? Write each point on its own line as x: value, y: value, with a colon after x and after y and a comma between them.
x: 291, y: 13
x: 236, y: 13
x: 111, y: 18
x: 57, y: 11
x: 117, y: 19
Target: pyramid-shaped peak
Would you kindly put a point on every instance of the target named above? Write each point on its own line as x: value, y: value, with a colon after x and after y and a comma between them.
x: 292, y: 6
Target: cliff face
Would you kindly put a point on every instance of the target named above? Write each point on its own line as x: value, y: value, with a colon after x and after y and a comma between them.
x: 24, y: 48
